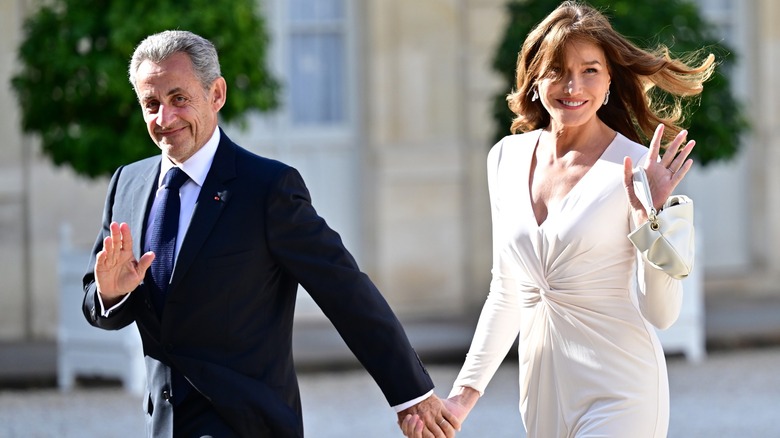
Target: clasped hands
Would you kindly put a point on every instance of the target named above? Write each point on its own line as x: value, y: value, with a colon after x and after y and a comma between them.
x: 438, y: 418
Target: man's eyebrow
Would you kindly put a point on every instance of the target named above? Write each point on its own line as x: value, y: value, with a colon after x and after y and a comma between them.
x: 170, y: 92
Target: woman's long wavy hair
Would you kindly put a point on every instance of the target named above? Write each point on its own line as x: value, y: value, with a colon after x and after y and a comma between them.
x: 635, y: 107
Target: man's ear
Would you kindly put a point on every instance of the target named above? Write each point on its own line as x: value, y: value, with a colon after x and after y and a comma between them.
x: 218, y: 93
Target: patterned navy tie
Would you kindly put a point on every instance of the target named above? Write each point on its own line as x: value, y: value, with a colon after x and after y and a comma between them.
x: 163, y: 234
x: 163, y: 242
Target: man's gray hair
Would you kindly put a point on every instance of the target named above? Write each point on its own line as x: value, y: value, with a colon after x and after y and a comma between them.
x: 161, y: 46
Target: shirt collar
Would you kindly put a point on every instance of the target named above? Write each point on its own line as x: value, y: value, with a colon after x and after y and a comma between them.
x: 198, y: 165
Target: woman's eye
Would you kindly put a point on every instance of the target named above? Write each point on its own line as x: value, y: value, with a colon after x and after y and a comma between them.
x: 553, y: 73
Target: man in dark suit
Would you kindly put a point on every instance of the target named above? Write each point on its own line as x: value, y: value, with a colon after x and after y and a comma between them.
x: 217, y: 331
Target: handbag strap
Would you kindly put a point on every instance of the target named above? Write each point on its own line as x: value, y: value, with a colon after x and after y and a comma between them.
x: 642, y: 191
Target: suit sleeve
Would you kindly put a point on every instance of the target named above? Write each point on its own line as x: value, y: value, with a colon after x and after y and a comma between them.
x: 121, y: 316
x: 314, y: 254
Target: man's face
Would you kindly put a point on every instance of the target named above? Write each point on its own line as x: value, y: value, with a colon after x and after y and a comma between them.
x: 180, y: 115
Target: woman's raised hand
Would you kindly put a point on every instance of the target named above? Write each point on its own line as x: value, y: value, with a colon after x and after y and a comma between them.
x: 663, y: 174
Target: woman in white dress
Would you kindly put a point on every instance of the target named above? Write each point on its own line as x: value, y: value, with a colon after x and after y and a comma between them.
x: 566, y: 279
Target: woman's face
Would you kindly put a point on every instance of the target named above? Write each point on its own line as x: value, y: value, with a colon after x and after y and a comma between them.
x: 579, y: 87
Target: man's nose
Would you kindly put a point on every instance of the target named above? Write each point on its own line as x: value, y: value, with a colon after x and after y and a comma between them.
x: 165, y: 116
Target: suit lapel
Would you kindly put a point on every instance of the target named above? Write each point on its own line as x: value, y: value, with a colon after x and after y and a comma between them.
x: 213, y: 197
x: 143, y: 189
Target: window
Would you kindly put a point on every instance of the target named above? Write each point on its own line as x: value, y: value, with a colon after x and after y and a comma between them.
x: 316, y: 62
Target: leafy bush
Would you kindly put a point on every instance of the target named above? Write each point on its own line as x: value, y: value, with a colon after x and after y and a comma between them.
x: 717, y: 121
x: 73, y: 87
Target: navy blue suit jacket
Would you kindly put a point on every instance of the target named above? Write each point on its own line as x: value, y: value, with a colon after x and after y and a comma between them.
x: 228, y: 316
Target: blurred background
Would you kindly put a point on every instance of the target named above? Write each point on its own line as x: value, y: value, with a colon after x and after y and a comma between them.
x: 388, y: 108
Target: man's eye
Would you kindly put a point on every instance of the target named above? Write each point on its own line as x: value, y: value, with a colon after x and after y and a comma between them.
x: 151, y: 107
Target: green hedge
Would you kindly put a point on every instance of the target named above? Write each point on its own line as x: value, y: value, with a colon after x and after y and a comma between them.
x: 73, y: 88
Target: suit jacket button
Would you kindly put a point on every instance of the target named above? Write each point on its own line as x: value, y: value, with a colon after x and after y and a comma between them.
x: 166, y: 395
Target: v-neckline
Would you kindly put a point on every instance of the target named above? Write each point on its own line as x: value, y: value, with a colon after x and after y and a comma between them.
x: 564, y: 198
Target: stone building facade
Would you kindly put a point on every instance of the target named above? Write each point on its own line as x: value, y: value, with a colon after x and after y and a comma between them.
x: 396, y: 159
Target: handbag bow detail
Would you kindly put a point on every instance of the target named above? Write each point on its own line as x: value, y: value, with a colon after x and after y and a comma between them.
x: 666, y: 240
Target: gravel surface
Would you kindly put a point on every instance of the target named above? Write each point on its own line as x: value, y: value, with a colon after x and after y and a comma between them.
x: 731, y: 393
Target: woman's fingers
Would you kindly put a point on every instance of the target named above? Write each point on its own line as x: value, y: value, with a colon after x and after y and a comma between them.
x: 412, y: 426
x: 655, y: 144
x: 671, y: 151
x: 675, y: 157
x: 628, y: 176
x: 677, y: 163
x: 680, y: 174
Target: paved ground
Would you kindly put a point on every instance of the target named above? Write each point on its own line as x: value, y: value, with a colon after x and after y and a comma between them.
x: 735, y: 391
x: 732, y: 393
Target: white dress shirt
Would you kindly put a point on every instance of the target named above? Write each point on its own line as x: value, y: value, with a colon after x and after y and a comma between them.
x: 197, y: 168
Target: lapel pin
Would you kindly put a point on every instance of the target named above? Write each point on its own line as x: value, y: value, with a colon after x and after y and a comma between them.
x: 222, y: 196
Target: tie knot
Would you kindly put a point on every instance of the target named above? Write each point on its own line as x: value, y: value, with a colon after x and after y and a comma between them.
x: 175, y: 178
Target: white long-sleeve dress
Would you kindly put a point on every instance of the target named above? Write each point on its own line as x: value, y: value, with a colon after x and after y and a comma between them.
x: 581, y: 300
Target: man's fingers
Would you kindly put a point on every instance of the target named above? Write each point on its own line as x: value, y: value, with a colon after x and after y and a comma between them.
x: 144, y: 262
x: 115, y: 233
x: 112, y: 244
x: 127, y: 239
x: 109, y: 255
x: 100, y: 259
x: 108, y: 244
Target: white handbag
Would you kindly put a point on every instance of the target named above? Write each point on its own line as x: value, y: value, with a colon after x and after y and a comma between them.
x: 666, y: 240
